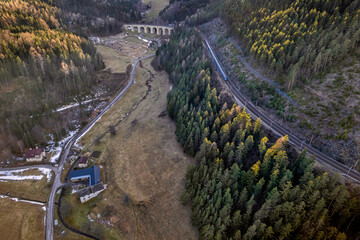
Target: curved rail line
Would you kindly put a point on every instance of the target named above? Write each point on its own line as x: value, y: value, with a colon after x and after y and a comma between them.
x: 276, y: 128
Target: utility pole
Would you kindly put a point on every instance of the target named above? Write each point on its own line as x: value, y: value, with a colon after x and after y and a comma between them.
x: 311, y: 138
x: 357, y: 156
x: 352, y: 167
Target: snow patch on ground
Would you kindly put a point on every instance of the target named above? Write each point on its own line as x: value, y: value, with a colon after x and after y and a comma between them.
x: 143, y: 39
x: 76, y: 144
x: 56, y: 156
x: 74, y: 105
x: 94, y: 40
x: 57, y: 150
x: 20, y: 178
x: 46, y: 172
x: 15, y: 174
x: 21, y: 200
x: 90, y: 219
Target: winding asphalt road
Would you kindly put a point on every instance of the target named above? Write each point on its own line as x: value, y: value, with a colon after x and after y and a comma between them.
x: 66, y: 151
x: 278, y: 130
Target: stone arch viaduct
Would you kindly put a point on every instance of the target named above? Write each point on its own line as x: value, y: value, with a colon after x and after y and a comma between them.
x: 147, y: 28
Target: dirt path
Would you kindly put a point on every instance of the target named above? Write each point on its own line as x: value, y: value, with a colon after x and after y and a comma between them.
x: 259, y: 75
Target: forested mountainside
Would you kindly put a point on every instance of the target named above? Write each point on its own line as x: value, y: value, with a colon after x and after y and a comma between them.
x: 247, y: 185
x: 41, y: 65
x: 178, y: 10
x: 296, y: 38
x: 98, y: 16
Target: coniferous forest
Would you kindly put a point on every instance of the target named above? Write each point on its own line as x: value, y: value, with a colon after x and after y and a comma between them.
x: 296, y: 38
x: 246, y: 184
x: 178, y: 10
x: 41, y: 65
x: 97, y: 16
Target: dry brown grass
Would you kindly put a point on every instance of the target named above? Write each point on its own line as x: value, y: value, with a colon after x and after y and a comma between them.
x: 67, y: 234
x: 156, y: 7
x: 62, y: 233
x: 113, y: 60
x: 37, y: 190
x: 21, y: 220
x: 121, y: 50
x: 144, y: 161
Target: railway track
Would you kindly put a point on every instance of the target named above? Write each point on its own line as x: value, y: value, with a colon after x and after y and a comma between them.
x: 277, y: 129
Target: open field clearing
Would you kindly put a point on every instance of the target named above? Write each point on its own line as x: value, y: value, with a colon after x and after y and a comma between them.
x: 61, y: 233
x: 20, y: 220
x: 82, y: 218
x: 111, y: 57
x: 30, y: 184
x: 142, y: 164
x: 156, y: 7
x: 121, y: 50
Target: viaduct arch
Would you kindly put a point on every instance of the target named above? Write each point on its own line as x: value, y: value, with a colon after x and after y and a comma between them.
x: 147, y: 28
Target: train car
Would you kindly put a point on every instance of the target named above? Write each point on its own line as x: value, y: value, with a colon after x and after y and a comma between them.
x: 216, y: 61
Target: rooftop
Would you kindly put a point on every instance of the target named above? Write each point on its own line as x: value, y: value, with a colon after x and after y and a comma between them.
x: 92, y: 173
x: 33, y: 152
x: 91, y: 189
x: 95, y: 154
x: 83, y: 160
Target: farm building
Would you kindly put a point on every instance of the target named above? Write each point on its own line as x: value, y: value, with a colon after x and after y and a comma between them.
x: 90, y: 192
x: 92, y: 175
x: 83, y: 161
x: 35, y: 155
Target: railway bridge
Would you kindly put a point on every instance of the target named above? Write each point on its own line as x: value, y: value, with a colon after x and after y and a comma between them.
x: 148, y: 28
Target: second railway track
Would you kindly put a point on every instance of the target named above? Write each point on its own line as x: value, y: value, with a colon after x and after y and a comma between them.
x: 277, y: 129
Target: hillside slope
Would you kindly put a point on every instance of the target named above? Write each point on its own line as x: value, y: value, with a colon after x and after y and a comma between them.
x: 98, y: 16
x: 309, y: 50
x: 296, y: 38
x: 41, y: 65
x: 246, y: 184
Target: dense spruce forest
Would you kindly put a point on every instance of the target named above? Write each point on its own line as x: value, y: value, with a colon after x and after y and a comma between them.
x: 98, y: 16
x: 178, y: 10
x: 295, y: 39
x: 246, y: 185
x: 41, y: 65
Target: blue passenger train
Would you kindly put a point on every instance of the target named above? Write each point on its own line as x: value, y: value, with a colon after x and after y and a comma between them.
x: 216, y: 61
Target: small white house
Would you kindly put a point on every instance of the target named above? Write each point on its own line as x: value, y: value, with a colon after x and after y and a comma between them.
x: 35, y: 155
x: 90, y: 192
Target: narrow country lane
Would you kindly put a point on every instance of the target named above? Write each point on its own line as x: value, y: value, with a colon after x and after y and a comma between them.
x: 66, y: 150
